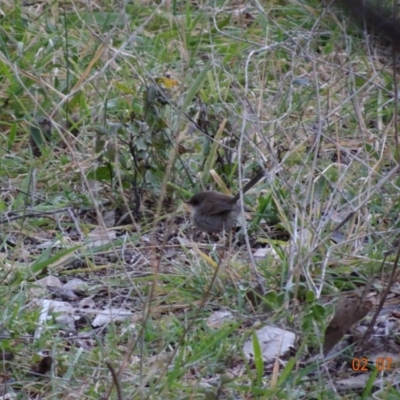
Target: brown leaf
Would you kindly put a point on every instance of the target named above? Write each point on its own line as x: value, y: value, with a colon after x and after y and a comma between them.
x: 349, y: 310
x: 43, y: 366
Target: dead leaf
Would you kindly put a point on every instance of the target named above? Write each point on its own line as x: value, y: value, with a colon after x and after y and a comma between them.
x: 274, y: 342
x: 78, y: 286
x: 43, y: 366
x: 349, y: 310
x: 219, y: 318
x: 64, y: 294
x: 39, y: 289
x: 100, y: 236
x: 353, y: 383
x: 111, y: 314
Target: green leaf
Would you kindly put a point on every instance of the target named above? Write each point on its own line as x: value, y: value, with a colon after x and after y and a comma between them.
x: 258, y: 360
x: 102, y: 173
x: 11, y: 136
x: 212, y: 155
x: 140, y: 143
x: 310, y: 296
x: 221, y: 24
x: 318, y: 312
x: 196, y: 86
x: 287, y: 371
x: 370, y: 383
x: 45, y: 259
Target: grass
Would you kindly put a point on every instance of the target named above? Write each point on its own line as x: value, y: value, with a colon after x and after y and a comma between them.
x: 148, y: 104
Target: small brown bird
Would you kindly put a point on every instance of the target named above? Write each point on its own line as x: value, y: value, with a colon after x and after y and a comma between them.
x: 214, y: 212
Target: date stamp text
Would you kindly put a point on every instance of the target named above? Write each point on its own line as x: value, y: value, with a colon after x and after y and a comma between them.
x: 361, y: 364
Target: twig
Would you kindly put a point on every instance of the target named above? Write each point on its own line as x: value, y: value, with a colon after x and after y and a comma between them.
x: 12, y: 216
x: 393, y: 277
x: 116, y: 380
